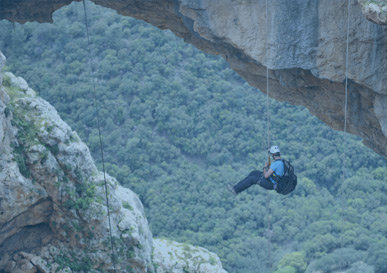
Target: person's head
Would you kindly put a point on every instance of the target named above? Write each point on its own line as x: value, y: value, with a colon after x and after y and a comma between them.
x: 274, y: 151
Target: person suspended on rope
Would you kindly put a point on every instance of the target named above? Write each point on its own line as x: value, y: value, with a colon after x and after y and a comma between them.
x: 268, y: 178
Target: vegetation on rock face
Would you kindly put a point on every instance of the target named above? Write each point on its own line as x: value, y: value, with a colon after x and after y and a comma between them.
x: 27, y: 131
x: 178, y: 125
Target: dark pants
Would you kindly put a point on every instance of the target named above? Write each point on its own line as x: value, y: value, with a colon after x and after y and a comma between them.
x: 255, y: 177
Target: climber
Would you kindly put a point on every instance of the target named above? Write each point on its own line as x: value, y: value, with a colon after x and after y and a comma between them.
x: 265, y: 179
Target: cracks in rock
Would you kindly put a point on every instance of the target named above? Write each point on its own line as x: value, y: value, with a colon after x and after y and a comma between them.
x: 27, y: 239
x: 37, y: 213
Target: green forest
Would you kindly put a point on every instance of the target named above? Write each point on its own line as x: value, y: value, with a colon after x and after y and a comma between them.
x: 178, y: 125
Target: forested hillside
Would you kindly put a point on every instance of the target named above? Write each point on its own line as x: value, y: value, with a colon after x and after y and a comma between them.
x: 178, y: 125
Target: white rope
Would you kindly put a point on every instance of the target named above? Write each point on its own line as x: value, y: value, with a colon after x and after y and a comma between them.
x: 343, y: 199
x: 268, y: 140
x: 346, y: 72
x: 267, y: 82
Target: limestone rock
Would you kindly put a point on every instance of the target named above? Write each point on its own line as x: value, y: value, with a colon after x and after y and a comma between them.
x: 17, y: 81
x: 375, y: 11
x: 20, y: 83
x: 53, y: 195
x: 381, y: 111
x: 2, y: 63
x: 172, y: 257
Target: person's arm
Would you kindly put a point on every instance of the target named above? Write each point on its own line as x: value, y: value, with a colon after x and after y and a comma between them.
x: 267, y: 172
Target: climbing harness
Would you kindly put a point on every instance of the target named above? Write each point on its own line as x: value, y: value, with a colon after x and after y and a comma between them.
x: 342, y: 195
x: 99, y: 135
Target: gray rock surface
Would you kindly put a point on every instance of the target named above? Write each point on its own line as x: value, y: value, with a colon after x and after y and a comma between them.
x: 380, y: 104
x: 2, y: 63
x: 172, y: 257
x: 20, y: 83
x: 53, y: 215
x: 306, y: 49
x: 375, y: 10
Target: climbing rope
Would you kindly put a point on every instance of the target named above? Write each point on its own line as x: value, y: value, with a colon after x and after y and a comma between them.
x: 346, y: 75
x: 342, y: 196
x: 268, y: 140
x: 267, y: 83
x: 99, y: 135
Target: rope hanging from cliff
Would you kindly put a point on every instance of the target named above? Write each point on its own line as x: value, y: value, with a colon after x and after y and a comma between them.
x: 342, y: 196
x: 346, y: 77
x: 267, y: 83
x: 268, y: 139
x: 99, y: 135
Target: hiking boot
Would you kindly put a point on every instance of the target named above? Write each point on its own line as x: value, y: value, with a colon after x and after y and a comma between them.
x: 230, y: 187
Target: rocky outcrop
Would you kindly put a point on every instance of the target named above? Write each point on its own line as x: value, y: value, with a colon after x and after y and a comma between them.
x: 52, y: 198
x: 306, y: 49
x: 53, y: 215
x: 375, y: 11
x: 172, y: 257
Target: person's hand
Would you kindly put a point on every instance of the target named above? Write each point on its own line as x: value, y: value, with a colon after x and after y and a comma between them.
x: 266, y: 164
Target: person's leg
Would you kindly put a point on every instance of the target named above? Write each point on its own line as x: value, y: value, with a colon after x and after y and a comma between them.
x: 266, y: 184
x: 250, y: 180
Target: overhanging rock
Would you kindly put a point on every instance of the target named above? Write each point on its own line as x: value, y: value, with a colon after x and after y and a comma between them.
x: 306, y: 54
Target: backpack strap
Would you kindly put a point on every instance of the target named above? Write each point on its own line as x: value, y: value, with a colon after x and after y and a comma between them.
x: 275, y: 176
x: 283, y: 162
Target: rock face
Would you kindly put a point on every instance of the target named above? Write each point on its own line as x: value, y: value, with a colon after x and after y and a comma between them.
x: 306, y: 49
x: 53, y: 215
x: 172, y: 257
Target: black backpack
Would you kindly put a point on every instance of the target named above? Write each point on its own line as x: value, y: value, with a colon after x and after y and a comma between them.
x: 288, y: 182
